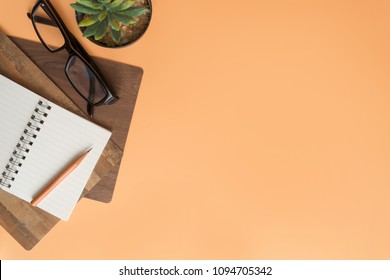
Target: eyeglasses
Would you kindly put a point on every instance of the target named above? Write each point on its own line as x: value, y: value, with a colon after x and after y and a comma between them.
x: 80, y: 69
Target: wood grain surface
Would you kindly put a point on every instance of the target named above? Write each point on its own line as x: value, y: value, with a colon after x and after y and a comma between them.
x: 125, y: 80
x: 27, y: 224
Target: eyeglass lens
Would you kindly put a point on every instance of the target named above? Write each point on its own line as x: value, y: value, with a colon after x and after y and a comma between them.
x: 47, y: 29
x: 84, y: 80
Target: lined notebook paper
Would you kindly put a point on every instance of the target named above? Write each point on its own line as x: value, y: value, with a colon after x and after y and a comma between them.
x: 38, y: 139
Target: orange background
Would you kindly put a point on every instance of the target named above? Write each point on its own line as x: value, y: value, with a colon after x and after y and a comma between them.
x: 261, y: 131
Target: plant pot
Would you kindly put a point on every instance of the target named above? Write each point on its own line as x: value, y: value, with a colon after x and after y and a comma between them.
x: 130, y: 34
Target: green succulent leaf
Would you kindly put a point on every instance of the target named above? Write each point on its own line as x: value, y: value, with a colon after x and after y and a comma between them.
x: 134, y: 12
x: 102, y: 16
x: 123, y: 6
x: 114, y: 4
x: 115, y: 35
x: 85, y: 10
x: 101, y: 29
x: 126, y: 20
x: 114, y: 22
x: 90, y: 4
x: 90, y: 30
x: 89, y: 20
x: 107, y: 16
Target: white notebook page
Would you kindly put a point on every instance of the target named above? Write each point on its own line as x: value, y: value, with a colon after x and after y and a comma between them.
x: 62, y: 138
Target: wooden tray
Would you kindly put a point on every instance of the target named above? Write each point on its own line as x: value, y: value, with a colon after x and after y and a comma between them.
x: 28, y: 225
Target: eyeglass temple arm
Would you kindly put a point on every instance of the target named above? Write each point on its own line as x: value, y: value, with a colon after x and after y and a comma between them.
x: 42, y: 20
x: 90, y: 107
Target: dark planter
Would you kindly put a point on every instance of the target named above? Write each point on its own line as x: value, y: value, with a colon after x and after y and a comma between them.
x: 137, y: 35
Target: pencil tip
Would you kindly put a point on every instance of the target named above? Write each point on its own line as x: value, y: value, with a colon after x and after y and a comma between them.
x: 89, y: 150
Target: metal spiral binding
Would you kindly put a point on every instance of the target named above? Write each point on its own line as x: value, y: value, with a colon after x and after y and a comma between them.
x: 23, y: 147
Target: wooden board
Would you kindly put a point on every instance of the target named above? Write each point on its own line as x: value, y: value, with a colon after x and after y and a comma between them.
x: 25, y: 223
x: 125, y: 80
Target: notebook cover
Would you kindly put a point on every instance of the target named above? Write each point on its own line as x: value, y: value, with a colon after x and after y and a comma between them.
x: 27, y: 224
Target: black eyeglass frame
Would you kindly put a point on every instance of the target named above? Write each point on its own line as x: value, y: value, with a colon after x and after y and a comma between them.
x: 74, y: 48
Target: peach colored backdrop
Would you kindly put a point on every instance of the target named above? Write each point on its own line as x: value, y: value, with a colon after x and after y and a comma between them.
x: 262, y: 131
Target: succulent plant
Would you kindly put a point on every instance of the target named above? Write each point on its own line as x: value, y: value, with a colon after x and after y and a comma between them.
x: 103, y: 16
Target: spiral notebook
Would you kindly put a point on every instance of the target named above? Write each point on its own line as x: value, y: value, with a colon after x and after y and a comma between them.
x: 38, y: 139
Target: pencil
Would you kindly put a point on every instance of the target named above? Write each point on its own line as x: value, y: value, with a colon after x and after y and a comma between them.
x: 68, y: 170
